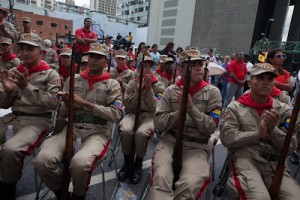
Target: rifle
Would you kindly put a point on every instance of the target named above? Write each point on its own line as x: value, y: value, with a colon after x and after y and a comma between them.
x: 109, y: 63
x: 137, y: 116
x: 278, y: 174
x: 175, y: 73
x: 205, y: 77
x: 177, y: 152
x: 69, y: 151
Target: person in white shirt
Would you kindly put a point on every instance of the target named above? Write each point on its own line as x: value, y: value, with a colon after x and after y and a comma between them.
x: 249, y: 66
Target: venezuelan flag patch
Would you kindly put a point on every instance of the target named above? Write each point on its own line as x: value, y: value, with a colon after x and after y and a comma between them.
x: 286, y: 122
x: 119, y: 104
x: 216, y: 114
x: 158, y: 96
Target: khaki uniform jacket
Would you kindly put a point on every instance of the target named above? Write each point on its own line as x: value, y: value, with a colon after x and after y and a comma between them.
x: 239, y: 131
x: 37, y: 97
x: 106, y: 96
x: 125, y: 76
x: 199, y: 124
x: 51, y: 59
x: 10, y: 31
x: 149, y: 98
x: 9, y: 64
x: 166, y: 82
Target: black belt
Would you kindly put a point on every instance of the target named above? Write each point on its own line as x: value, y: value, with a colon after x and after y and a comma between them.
x: 268, y: 156
x: 190, y: 139
x: 87, y: 118
x: 45, y: 115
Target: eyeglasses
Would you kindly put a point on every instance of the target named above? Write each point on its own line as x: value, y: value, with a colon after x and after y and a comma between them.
x: 280, y: 56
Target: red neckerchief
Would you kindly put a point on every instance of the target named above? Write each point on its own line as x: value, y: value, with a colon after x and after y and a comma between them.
x: 275, y: 92
x: 9, y: 57
x: 167, y: 76
x: 247, y: 100
x: 41, y: 67
x: 194, y: 89
x: 94, y: 79
x: 154, y: 79
x: 66, y: 72
x: 158, y: 70
x: 122, y: 70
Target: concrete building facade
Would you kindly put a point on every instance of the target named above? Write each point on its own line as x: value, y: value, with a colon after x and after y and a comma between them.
x: 71, y: 8
x: 134, y: 10
x: 108, y: 7
x: 225, y: 25
x: 48, y: 4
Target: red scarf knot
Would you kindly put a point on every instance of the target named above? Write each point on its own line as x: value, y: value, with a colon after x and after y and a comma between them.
x: 167, y: 76
x: 121, y: 70
x: 247, y: 100
x: 94, y: 79
x: 41, y: 67
x: 194, y: 89
x: 8, y: 57
x: 66, y: 72
x: 275, y: 92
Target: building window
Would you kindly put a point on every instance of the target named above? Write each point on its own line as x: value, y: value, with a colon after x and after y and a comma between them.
x: 138, y: 19
x: 66, y: 26
x: 53, y: 24
x: 147, y: 8
x: 141, y: 9
x: 39, y: 22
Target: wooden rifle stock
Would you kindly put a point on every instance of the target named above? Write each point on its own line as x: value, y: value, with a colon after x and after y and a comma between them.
x: 205, y: 77
x: 276, y: 182
x: 177, y: 153
x: 109, y: 63
x: 175, y: 73
x: 68, y: 153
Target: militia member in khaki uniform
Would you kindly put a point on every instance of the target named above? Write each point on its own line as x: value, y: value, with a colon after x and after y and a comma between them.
x: 6, y: 28
x: 121, y: 72
x: 98, y: 99
x: 64, y: 68
x: 8, y: 58
x: 84, y: 63
x: 203, y: 113
x: 152, y: 92
x: 49, y: 55
x: 253, y: 129
x: 30, y: 92
x: 160, y: 67
x: 167, y: 76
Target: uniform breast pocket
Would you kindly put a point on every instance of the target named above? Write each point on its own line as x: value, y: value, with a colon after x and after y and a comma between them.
x: 100, y: 96
x: 174, y: 104
x: 200, y: 104
x: 247, y: 127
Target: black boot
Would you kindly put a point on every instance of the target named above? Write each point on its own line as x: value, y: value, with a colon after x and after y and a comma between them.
x: 74, y: 197
x: 137, y: 171
x: 58, y: 195
x: 8, y: 191
x: 126, y: 169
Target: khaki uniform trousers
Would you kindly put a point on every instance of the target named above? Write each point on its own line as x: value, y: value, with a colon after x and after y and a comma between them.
x: 141, y: 136
x: 28, y: 132
x: 252, y: 180
x: 91, y: 153
x: 193, y: 178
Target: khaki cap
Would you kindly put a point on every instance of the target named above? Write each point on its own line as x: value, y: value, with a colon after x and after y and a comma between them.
x: 146, y: 59
x: 193, y: 53
x: 26, y: 19
x: 260, y: 68
x: 47, y: 45
x: 162, y: 58
x: 65, y: 52
x: 168, y: 59
x: 121, y: 54
x: 85, y: 59
x: 27, y: 38
x: 4, y: 12
x: 97, y: 48
x: 5, y: 40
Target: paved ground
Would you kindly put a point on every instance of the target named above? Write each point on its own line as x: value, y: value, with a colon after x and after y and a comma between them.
x: 26, y: 186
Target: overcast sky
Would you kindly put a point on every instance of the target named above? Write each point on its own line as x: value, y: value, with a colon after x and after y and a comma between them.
x: 82, y: 2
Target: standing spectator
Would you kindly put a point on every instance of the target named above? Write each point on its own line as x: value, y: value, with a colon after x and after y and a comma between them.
x: 84, y: 37
x: 155, y: 55
x: 129, y: 38
x: 179, y: 50
x: 249, y: 66
x: 6, y: 28
x: 49, y: 55
x: 168, y: 50
x: 107, y: 42
x: 26, y: 23
x: 211, y: 56
x: 130, y: 54
x: 225, y: 77
x: 8, y: 59
x: 237, y: 76
x: 282, y: 81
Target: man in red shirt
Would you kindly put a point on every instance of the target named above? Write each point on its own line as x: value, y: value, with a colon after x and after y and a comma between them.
x: 237, y: 77
x: 84, y: 37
